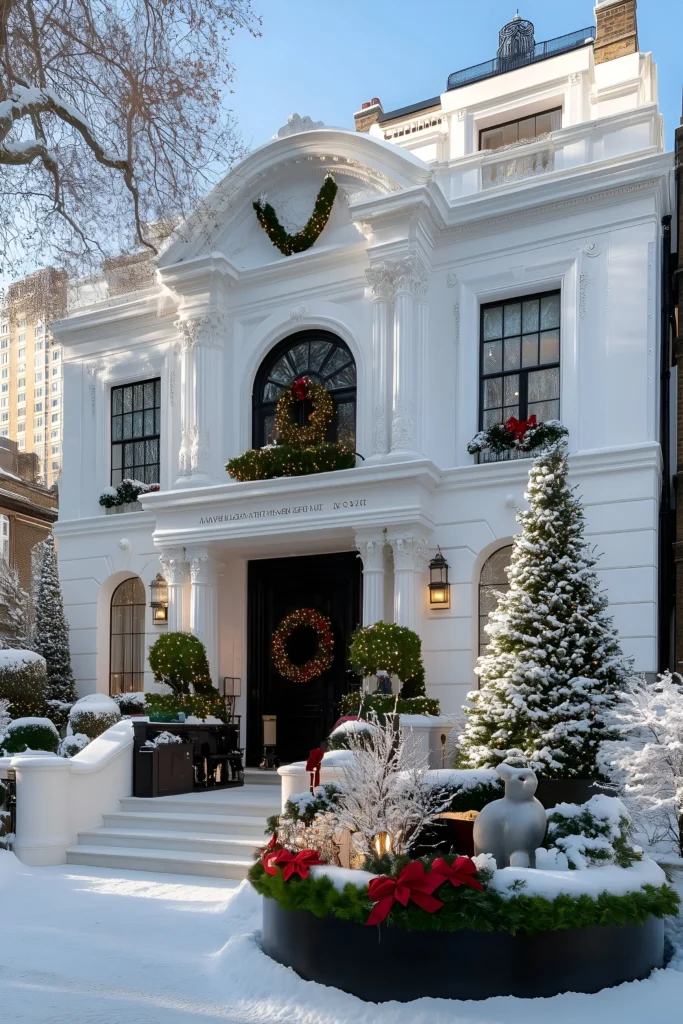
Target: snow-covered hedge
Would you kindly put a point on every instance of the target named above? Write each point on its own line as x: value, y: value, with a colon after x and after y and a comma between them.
x: 593, y: 834
x: 23, y: 682
x: 130, y: 703
x: 71, y: 745
x: 469, y: 789
x: 93, y: 715
x: 339, y: 737
x: 31, y: 734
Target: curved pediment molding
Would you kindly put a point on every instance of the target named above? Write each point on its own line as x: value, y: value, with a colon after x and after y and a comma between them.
x: 364, y: 166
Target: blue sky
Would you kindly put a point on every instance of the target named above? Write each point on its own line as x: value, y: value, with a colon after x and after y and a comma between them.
x: 324, y: 59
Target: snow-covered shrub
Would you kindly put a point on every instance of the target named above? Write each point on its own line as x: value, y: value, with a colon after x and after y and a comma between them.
x: 93, y: 715
x: 23, y: 682
x: 14, y: 608
x: 163, y: 739
x: 31, y: 734
x: 51, y: 635
x: 596, y: 833
x: 646, y: 764
x: 466, y: 789
x: 5, y: 717
x: 554, y: 669
x: 130, y: 703
x: 339, y: 737
x: 391, y: 648
x: 73, y: 744
x: 127, y: 492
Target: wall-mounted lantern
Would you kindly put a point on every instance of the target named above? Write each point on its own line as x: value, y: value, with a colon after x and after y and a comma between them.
x: 159, y: 600
x: 439, y: 587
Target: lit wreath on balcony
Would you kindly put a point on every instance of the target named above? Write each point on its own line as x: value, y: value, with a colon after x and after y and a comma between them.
x: 286, y: 431
x: 320, y: 662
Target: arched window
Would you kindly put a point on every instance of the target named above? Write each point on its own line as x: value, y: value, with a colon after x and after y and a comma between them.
x: 127, y: 650
x: 316, y: 354
x: 492, y: 581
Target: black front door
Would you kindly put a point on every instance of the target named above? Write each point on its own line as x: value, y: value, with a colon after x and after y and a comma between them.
x: 327, y: 584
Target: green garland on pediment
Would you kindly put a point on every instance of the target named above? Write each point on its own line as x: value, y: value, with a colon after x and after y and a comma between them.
x: 304, y: 239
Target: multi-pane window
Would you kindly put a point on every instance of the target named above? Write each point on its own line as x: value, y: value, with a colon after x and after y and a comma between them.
x: 493, y: 581
x: 4, y: 537
x: 135, y: 429
x: 127, y: 652
x: 520, y: 359
x: 524, y: 129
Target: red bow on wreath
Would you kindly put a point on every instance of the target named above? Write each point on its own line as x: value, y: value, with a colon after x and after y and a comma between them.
x: 299, y: 389
x: 294, y: 864
x: 460, y: 872
x: 519, y: 427
x: 412, y: 884
x: 313, y: 766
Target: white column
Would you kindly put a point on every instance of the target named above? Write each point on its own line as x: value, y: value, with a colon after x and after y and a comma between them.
x: 200, y: 372
x: 204, y: 603
x: 410, y: 278
x: 379, y: 278
x: 370, y: 544
x: 174, y: 568
x: 410, y: 550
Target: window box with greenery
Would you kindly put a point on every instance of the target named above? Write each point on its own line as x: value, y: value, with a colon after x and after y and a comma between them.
x: 125, y: 497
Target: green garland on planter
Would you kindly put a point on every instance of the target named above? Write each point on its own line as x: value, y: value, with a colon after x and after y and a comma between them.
x: 384, y: 704
x: 304, y: 239
x: 283, y: 460
x: 463, y: 908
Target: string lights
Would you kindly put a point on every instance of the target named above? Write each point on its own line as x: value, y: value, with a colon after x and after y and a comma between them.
x: 306, y: 618
x: 304, y: 239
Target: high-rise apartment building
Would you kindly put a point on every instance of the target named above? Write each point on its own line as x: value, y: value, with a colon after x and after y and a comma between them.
x: 31, y: 369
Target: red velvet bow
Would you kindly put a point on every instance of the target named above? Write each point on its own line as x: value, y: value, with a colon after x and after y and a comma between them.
x: 270, y: 851
x: 460, y: 872
x: 295, y: 864
x: 519, y: 427
x: 412, y: 884
x: 299, y: 389
x: 313, y: 766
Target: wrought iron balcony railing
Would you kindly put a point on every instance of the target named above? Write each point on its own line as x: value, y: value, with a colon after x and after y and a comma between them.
x: 541, y: 51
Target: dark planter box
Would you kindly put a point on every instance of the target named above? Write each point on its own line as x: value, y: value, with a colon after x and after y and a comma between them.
x: 384, y: 963
x: 567, y: 791
x: 165, y: 770
x: 214, y: 757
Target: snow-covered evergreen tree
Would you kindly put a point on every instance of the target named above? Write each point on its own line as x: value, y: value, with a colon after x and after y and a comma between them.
x: 51, y: 631
x: 14, y: 608
x: 554, y: 669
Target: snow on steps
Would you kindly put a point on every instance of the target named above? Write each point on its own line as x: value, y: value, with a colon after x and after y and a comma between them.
x: 213, y: 833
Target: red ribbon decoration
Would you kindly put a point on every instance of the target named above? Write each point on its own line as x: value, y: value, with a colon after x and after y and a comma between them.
x: 412, y: 884
x: 460, y: 872
x: 295, y: 864
x: 270, y: 851
x: 299, y: 388
x: 519, y: 427
x: 313, y: 766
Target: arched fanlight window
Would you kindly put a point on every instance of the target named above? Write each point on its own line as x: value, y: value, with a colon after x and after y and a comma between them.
x: 323, y: 357
x: 492, y: 581
x: 127, y: 635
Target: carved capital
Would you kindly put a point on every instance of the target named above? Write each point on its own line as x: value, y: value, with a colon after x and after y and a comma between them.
x: 370, y: 546
x: 206, y: 330
x: 173, y: 566
x: 410, y: 550
x: 202, y: 566
x: 389, y: 277
x: 381, y: 282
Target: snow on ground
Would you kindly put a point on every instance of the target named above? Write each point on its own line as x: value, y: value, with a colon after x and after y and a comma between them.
x: 82, y: 945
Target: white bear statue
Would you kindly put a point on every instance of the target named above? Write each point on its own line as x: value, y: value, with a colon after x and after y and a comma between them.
x: 512, y: 828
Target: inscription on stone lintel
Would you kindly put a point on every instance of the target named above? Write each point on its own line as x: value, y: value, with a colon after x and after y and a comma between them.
x: 286, y: 510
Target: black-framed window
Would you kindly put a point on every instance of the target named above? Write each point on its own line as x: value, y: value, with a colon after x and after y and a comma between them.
x: 323, y: 357
x: 127, y: 637
x: 522, y: 129
x: 493, y: 581
x: 520, y: 359
x: 135, y: 430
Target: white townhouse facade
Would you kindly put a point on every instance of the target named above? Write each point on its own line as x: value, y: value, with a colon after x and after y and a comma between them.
x: 494, y: 251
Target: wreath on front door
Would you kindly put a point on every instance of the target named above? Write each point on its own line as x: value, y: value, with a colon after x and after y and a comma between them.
x: 287, y: 431
x: 321, y: 660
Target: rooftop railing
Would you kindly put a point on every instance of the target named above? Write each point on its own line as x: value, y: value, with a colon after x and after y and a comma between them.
x: 541, y: 51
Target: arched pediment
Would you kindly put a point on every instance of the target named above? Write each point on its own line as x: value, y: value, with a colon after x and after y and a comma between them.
x: 288, y: 172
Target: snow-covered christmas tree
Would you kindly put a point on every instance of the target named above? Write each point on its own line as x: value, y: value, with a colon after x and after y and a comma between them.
x: 51, y: 632
x: 554, y: 669
x: 14, y: 608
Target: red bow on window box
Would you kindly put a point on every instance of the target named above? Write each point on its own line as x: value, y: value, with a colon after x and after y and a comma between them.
x: 313, y: 766
x: 293, y: 863
x: 412, y: 884
x: 299, y: 389
x: 518, y: 428
x: 460, y: 872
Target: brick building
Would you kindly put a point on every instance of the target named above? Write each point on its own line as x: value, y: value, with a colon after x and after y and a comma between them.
x: 27, y: 508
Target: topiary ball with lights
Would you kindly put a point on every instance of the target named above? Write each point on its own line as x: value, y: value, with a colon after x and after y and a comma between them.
x: 180, y: 661
x: 288, y: 432
x: 396, y: 649
x: 306, y: 618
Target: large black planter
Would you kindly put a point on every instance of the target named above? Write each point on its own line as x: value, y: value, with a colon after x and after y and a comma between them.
x: 383, y: 963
